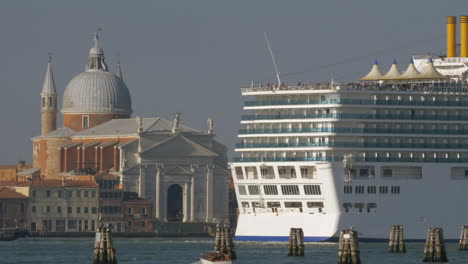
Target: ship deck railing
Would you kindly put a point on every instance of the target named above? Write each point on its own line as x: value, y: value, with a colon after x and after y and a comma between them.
x: 417, y: 86
x: 437, y: 116
x: 356, y: 130
x: 356, y: 159
x: 353, y: 145
x: 357, y: 102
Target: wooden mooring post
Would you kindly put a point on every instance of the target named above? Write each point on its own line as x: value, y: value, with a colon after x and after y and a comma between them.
x: 396, y: 243
x: 296, y: 242
x: 348, y: 247
x: 463, y: 243
x: 104, y: 253
x: 434, y: 249
x: 224, y: 242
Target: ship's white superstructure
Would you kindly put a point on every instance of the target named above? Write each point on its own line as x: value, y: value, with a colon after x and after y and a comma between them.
x: 368, y: 155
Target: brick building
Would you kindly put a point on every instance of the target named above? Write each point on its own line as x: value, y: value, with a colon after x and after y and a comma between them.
x: 11, y: 172
x: 13, y: 209
x: 137, y: 213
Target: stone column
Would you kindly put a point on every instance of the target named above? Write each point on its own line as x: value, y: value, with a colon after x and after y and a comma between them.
x: 157, y: 192
x: 186, y: 203
x: 163, y: 202
x: 192, y: 195
x: 209, y: 193
x: 141, y: 187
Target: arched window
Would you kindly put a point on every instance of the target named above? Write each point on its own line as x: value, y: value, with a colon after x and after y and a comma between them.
x: 43, y: 101
x: 85, y: 121
x: 50, y: 101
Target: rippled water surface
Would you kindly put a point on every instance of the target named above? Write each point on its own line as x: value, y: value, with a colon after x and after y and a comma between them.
x: 187, y: 250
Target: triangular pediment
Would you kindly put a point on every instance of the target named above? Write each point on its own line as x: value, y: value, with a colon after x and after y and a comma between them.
x: 178, y: 146
x: 177, y: 171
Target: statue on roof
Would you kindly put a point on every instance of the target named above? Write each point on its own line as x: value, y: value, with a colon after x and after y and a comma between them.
x: 96, y: 39
x: 176, y: 122
x: 210, y: 125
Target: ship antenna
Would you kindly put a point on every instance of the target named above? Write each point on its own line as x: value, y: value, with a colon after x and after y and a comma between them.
x: 273, y: 58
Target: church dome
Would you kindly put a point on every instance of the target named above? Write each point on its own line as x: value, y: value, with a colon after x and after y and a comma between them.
x: 96, y: 90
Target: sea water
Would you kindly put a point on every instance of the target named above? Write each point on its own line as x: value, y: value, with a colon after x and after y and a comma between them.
x: 188, y: 250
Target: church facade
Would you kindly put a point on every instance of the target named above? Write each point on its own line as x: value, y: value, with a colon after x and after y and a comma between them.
x: 183, y: 171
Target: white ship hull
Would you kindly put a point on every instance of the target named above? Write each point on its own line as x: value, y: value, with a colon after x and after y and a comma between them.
x: 435, y: 200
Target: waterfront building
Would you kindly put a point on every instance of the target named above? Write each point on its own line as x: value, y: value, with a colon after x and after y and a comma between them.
x: 13, y: 209
x: 62, y: 205
x: 110, y: 201
x: 137, y: 213
x: 16, y: 171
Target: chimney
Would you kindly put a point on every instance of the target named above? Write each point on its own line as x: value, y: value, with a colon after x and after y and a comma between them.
x: 451, y: 36
x: 464, y: 36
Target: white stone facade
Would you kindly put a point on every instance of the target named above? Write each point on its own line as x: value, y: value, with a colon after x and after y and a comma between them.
x: 194, y: 162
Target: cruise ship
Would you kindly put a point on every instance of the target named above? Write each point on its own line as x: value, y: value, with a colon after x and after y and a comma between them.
x: 388, y: 149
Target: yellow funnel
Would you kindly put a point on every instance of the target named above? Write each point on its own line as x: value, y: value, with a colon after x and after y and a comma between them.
x: 451, y: 36
x: 464, y: 36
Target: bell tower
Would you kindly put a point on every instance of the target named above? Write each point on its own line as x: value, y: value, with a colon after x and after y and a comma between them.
x: 48, y: 102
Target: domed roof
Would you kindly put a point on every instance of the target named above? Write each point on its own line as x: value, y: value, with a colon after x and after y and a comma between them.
x: 96, y: 90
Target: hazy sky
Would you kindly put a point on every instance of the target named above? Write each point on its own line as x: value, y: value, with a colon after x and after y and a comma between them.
x: 193, y: 56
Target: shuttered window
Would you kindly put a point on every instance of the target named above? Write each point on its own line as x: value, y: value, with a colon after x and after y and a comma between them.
x: 270, y: 190
x: 290, y: 189
x: 312, y: 190
x: 254, y: 190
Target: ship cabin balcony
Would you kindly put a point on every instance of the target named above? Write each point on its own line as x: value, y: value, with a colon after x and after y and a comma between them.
x: 412, y: 115
x: 246, y: 146
x: 354, y: 130
x: 387, y: 100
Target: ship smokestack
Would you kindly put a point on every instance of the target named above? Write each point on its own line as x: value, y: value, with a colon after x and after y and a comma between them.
x: 464, y: 36
x: 451, y: 36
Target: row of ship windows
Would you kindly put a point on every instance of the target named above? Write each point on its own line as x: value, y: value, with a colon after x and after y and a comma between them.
x: 331, y: 112
x: 263, y: 142
x: 332, y: 127
x: 370, y: 207
x: 371, y: 189
x: 268, y: 172
x: 286, y: 205
x: 333, y: 99
x: 285, y: 190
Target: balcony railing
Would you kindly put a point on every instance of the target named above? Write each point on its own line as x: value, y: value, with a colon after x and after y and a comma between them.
x: 357, y: 102
x: 356, y: 159
x: 428, y: 86
x: 356, y: 130
x: 355, y: 145
x: 358, y: 116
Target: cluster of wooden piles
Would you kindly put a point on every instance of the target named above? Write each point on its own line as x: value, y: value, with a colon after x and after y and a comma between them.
x: 348, y: 247
x: 463, y: 243
x: 224, y: 242
x: 434, y: 248
x: 104, y: 253
x: 396, y: 243
x: 296, y: 242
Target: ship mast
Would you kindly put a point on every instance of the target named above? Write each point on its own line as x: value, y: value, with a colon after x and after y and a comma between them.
x: 273, y: 58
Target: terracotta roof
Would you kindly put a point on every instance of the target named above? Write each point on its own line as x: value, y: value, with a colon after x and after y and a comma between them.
x: 105, y: 176
x: 9, y: 193
x: 139, y: 200
x: 59, y: 183
x: 9, y: 166
x: 8, y: 183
